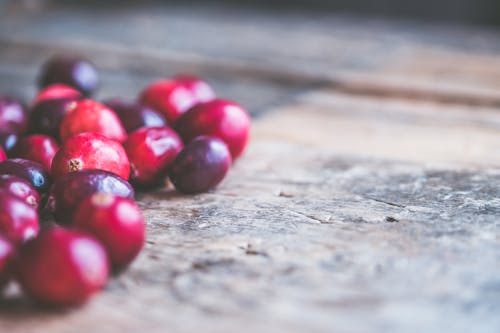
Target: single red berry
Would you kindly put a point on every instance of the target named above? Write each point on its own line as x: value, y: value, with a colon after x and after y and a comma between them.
x: 90, y: 151
x: 71, y: 189
x: 62, y: 267
x: 38, y: 147
x: 33, y: 172
x: 13, y: 115
x: 201, y: 165
x: 3, y: 155
x: 21, y: 188
x: 151, y: 150
x: 220, y: 118
x: 91, y: 116
x: 116, y: 222
x: 6, y: 256
x: 170, y: 97
x: 18, y: 220
x: 135, y: 115
x: 71, y: 70
x: 50, y: 107
x: 56, y: 91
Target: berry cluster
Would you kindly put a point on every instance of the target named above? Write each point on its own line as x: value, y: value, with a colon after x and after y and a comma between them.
x: 70, y: 166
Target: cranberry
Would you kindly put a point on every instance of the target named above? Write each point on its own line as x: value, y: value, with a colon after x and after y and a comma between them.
x: 201, y: 165
x: 3, y: 155
x: 220, y: 118
x: 18, y: 220
x: 90, y: 151
x: 39, y: 148
x: 174, y: 97
x: 91, y: 116
x: 50, y: 107
x: 69, y: 190
x: 6, y: 256
x: 62, y: 267
x: 57, y: 91
x: 151, y: 150
x: 116, y: 222
x: 21, y: 188
x: 31, y: 171
x: 72, y: 70
x: 199, y: 88
x: 135, y: 115
x: 13, y: 115
x: 8, y: 140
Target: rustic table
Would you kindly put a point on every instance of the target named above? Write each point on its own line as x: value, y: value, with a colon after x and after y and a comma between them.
x: 368, y: 200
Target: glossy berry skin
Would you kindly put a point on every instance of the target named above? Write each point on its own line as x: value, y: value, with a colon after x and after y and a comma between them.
x: 3, y: 155
x: 20, y: 188
x: 6, y: 257
x: 201, y: 165
x: 31, y: 171
x: 200, y: 89
x: 116, y: 222
x: 134, y: 115
x: 13, y: 115
x: 56, y: 91
x: 151, y: 150
x: 8, y: 140
x: 91, y: 116
x: 71, y: 70
x: 90, y: 151
x: 220, y: 118
x: 174, y: 97
x: 18, y: 220
x: 39, y: 148
x: 62, y: 267
x: 71, y: 189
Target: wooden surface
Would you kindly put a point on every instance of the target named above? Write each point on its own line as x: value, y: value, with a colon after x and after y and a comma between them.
x: 368, y: 200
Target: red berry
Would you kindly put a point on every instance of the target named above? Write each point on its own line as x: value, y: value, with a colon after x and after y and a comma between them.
x: 6, y: 256
x: 201, y: 165
x: 199, y: 88
x: 62, y: 267
x: 135, y: 115
x: 21, y: 188
x: 90, y: 151
x: 18, y: 220
x: 151, y: 150
x: 71, y: 70
x: 13, y: 115
x: 116, y: 222
x: 91, y: 116
x: 69, y: 190
x: 220, y: 118
x: 174, y: 97
x: 3, y: 156
x: 31, y: 171
x: 39, y: 148
x: 56, y: 91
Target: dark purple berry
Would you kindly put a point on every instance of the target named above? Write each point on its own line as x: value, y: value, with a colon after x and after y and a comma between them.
x: 134, y: 115
x: 69, y: 190
x: 201, y: 165
x: 72, y: 70
x: 31, y: 171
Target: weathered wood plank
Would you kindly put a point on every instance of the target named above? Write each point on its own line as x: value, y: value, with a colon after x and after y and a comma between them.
x: 445, y: 63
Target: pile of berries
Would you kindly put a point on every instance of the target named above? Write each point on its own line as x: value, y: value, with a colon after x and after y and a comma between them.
x: 70, y: 166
